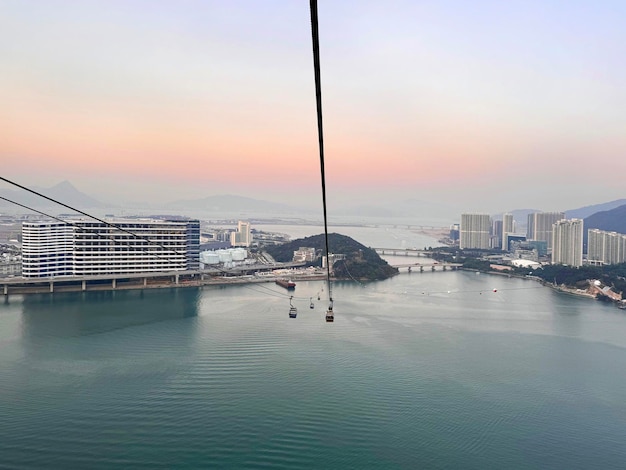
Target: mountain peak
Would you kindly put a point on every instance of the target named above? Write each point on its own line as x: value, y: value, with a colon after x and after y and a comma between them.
x: 64, y: 186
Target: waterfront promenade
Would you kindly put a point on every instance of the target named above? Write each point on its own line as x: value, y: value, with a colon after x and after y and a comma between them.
x: 188, y: 278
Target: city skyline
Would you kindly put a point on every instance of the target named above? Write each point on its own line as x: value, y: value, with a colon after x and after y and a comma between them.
x: 510, y: 106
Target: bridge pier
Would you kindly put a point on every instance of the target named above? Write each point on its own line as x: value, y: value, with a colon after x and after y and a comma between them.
x: 113, y: 283
x: 51, y: 286
x: 6, y: 289
x: 84, y: 286
x: 145, y: 281
x: 176, y: 279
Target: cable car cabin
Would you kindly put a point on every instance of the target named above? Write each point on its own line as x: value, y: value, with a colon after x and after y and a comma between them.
x: 311, y: 305
x: 330, y: 316
x: 293, y: 311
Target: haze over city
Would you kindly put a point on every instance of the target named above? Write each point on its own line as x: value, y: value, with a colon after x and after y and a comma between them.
x: 481, y: 105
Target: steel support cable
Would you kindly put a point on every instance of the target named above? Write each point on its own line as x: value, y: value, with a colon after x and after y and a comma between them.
x: 320, y: 131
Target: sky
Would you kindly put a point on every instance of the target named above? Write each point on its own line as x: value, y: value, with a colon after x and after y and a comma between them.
x: 485, y: 105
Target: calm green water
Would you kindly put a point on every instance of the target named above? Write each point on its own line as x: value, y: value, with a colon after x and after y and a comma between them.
x: 431, y: 370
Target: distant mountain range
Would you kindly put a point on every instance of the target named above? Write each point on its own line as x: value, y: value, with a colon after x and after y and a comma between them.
x: 64, y: 192
x: 606, y: 216
x: 521, y: 215
x: 584, y: 212
x: 230, y: 203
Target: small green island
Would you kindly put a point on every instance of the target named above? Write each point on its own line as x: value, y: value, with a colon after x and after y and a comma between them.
x: 351, y: 259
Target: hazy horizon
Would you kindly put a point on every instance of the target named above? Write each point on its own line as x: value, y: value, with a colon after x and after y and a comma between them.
x: 481, y: 107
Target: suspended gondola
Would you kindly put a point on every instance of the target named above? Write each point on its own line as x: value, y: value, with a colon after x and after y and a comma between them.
x: 330, y: 316
x: 293, y: 311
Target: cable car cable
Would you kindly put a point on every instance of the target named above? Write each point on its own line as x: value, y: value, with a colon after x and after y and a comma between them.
x: 320, y: 134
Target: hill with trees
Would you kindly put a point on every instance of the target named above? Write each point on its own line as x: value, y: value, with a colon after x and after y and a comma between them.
x: 613, y: 275
x: 360, y: 262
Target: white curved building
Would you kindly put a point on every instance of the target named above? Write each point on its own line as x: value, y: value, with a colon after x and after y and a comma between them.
x: 79, y: 247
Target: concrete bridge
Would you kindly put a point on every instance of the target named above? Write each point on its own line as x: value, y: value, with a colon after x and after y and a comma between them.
x: 431, y: 267
x: 403, y: 252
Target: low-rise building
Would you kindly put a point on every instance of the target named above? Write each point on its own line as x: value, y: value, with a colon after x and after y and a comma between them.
x: 10, y: 265
x: 304, y: 255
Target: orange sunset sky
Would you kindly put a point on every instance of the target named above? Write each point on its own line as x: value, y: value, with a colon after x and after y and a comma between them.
x: 490, y: 106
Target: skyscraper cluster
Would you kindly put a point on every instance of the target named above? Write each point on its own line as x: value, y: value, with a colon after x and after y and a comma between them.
x: 547, y: 233
x: 478, y: 231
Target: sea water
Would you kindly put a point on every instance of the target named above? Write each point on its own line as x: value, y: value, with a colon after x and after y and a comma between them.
x: 424, y: 370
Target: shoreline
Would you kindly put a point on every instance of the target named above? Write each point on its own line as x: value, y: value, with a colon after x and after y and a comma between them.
x: 557, y: 288
x: 22, y: 289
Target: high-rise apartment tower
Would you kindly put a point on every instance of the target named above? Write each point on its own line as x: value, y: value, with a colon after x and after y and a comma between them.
x: 474, y: 231
x: 540, y: 226
x: 567, y: 242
